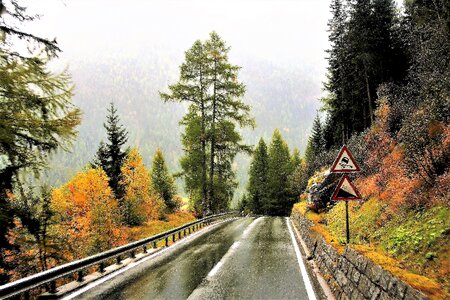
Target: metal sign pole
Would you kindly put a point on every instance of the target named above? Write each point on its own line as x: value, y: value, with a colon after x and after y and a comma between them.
x: 347, y: 225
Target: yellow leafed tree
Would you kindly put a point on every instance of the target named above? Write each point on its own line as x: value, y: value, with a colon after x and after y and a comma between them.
x: 139, y: 203
x: 88, y: 214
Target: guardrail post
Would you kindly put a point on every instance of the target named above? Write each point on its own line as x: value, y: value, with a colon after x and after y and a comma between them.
x: 132, y: 254
x: 154, y: 245
x: 189, y: 230
x: 26, y: 295
x: 179, y: 235
x: 101, y: 267
x: 167, y: 241
x: 118, y: 260
x: 145, y: 248
x: 53, y: 288
x: 184, y: 232
x: 80, y: 276
x: 173, y: 238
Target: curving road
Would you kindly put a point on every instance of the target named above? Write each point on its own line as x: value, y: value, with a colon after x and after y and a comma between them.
x: 242, y: 259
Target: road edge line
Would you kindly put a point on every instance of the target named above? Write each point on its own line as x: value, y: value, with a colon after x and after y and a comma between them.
x: 309, y: 288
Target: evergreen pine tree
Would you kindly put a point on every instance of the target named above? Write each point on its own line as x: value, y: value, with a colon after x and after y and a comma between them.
x: 258, y: 179
x: 279, y: 200
x: 110, y: 156
x: 162, y: 182
x: 296, y: 160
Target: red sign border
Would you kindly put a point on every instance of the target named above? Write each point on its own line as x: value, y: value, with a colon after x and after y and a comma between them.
x: 335, y: 198
x: 345, y: 148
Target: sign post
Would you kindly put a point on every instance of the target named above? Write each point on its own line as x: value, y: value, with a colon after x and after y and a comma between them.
x: 345, y: 190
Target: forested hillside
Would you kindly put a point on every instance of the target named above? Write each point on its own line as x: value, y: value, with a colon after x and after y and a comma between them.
x: 280, y: 97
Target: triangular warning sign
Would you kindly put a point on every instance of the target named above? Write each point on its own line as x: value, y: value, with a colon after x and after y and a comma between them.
x: 345, y: 163
x: 346, y: 190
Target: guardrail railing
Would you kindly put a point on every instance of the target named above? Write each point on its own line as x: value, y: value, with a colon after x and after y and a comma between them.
x: 24, y: 285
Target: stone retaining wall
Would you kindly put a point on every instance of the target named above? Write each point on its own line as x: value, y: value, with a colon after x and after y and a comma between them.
x: 351, y: 275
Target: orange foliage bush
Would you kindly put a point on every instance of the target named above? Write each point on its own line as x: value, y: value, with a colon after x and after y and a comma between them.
x: 87, y: 214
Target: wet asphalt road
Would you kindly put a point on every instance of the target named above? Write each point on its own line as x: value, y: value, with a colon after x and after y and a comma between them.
x: 241, y: 259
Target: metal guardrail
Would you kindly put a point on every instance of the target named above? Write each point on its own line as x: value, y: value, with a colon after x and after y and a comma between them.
x: 24, y: 285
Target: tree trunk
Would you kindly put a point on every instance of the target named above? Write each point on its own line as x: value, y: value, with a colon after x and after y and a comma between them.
x: 213, y: 141
x: 369, y: 98
x: 204, y: 167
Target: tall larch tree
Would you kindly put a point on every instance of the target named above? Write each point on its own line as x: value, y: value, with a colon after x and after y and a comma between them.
x: 192, y: 87
x: 226, y: 110
x: 211, y: 140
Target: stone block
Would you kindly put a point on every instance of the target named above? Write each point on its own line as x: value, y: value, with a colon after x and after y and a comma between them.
x: 385, y: 279
x: 374, y: 272
x: 412, y: 294
x: 385, y: 296
x: 375, y: 293
x: 356, y: 295
x: 396, y: 288
x: 362, y: 263
x: 365, y: 286
x: 351, y: 255
x: 355, y: 275
x: 341, y: 279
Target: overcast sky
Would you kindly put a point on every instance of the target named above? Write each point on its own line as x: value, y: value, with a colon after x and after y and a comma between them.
x: 284, y: 32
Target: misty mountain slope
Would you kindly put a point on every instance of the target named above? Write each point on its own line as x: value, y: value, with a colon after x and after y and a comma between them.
x: 280, y: 98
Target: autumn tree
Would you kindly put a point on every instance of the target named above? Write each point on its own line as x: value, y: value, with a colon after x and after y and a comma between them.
x: 110, y: 156
x: 139, y: 203
x: 87, y: 214
x: 162, y: 182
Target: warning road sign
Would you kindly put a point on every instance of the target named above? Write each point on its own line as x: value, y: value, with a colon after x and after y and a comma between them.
x: 345, y: 163
x: 345, y: 190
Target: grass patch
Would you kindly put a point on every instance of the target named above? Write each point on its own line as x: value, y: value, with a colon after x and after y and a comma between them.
x: 158, y: 226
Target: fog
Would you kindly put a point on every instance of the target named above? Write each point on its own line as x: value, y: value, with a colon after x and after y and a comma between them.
x: 289, y: 33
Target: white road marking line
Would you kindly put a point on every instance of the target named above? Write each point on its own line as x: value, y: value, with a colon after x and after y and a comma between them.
x: 232, y: 249
x: 306, y: 280
x: 114, y: 274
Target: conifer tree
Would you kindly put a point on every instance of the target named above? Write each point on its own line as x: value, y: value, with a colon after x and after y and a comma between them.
x: 279, y: 200
x: 226, y: 106
x: 162, y: 182
x: 211, y: 140
x: 258, y: 179
x: 296, y: 160
x: 37, y: 118
x: 192, y: 88
x: 316, y: 142
x: 110, y: 156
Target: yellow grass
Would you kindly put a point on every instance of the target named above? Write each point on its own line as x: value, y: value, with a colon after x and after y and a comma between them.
x: 157, y: 226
